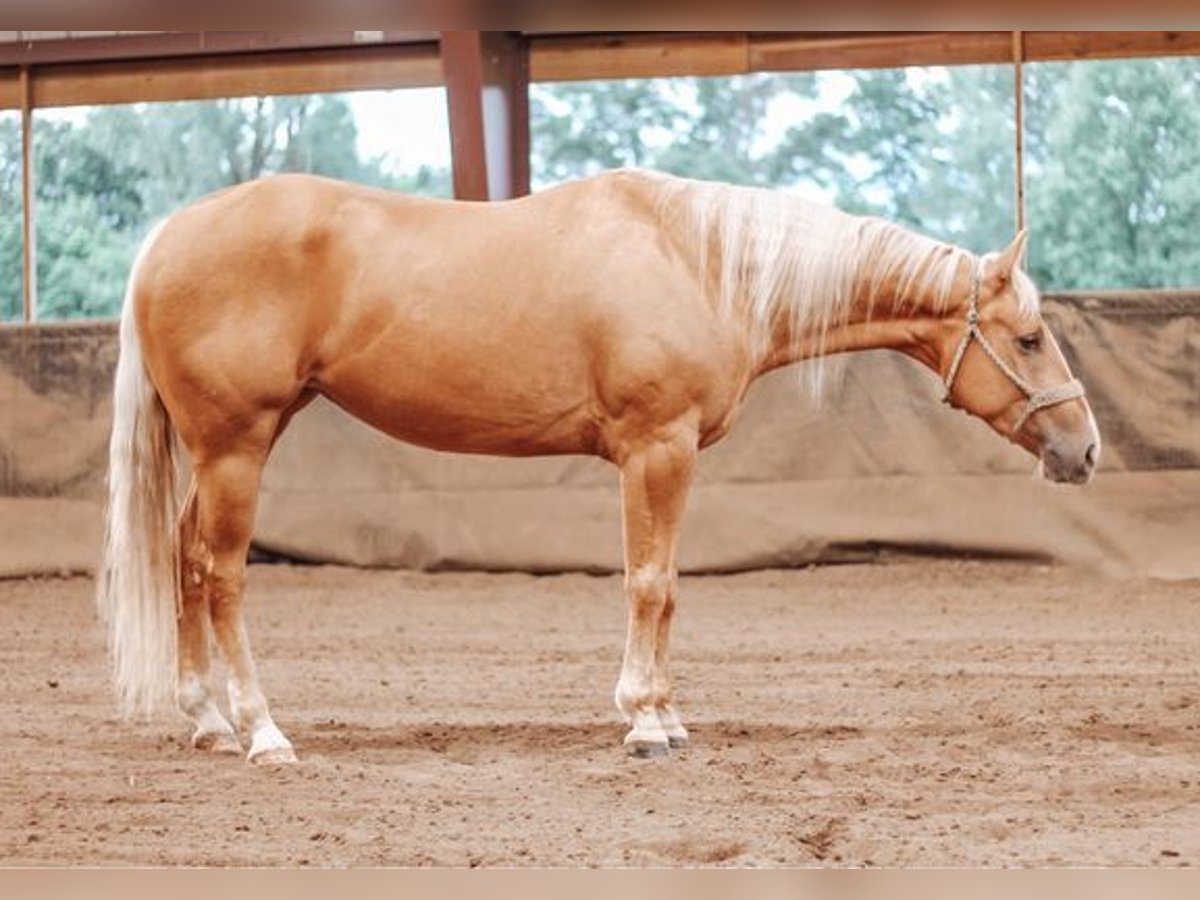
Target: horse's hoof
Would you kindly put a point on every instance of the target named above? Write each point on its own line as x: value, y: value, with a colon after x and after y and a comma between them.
x: 647, y: 749
x: 279, y: 756
x: 217, y: 742
x: 677, y: 741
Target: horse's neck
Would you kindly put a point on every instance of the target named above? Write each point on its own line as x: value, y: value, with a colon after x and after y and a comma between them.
x: 896, y: 303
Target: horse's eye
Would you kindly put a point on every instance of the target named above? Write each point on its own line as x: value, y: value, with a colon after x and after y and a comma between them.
x: 1030, y: 342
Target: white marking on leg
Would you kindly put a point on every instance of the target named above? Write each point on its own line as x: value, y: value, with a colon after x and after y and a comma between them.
x: 212, y: 732
x: 654, y: 483
x: 646, y: 588
x: 267, y: 743
x: 677, y: 735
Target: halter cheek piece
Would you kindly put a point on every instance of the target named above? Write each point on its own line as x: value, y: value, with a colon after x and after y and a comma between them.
x: 1038, y: 399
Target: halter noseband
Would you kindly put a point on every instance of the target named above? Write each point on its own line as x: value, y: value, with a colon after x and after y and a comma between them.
x: 1038, y: 399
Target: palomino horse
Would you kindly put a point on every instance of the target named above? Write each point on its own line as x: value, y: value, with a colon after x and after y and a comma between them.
x: 622, y: 316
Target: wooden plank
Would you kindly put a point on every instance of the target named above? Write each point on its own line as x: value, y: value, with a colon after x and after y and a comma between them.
x: 514, y: 75
x: 1045, y: 46
x: 133, y: 45
x: 881, y: 50
x: 462, y: 64
x: 10, y: 89
x: 228, y: 69
x: 28, y: 232
x: 1018, y: 55
x: 487, y: 90
x: 304, y: 72
x: 564, y: 57
x: 659, y: 55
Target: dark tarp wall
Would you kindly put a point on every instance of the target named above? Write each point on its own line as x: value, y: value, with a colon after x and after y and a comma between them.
x: 878, y: 463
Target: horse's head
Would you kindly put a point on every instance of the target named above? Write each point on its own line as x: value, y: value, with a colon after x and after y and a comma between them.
x: 1000, y: 363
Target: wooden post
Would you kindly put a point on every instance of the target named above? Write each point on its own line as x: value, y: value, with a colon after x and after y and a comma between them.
x: 1018, y: 50
x: 28, y: 234
x: 487, y: 89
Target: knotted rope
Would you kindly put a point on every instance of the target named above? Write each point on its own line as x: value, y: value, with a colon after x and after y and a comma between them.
x: 1037, y: 398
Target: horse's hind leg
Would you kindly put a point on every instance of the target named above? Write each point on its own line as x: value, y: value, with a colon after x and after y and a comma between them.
x: 193, y: 692
x: 227, y: 488
x: 668, y: 716
x: 654, y: 485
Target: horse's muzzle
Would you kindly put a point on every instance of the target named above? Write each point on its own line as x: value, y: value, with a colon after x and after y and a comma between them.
x: 1070, y: 462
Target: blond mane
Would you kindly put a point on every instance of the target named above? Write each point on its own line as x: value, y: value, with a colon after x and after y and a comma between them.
x: 769, y: 254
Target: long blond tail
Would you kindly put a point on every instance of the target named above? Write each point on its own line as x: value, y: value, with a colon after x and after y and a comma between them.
x: 136, y: 584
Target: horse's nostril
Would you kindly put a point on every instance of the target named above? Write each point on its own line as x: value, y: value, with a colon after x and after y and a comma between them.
x: 1090, y: 456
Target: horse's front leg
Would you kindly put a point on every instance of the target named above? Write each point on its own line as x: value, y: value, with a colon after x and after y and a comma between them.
x: 654, y: 483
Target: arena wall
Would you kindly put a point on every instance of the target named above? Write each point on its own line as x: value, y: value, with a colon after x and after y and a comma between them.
x: 878, y: 464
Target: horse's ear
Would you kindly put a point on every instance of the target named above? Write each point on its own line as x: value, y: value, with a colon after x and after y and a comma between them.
x: 1002, y: 264
x: 1013, y: 256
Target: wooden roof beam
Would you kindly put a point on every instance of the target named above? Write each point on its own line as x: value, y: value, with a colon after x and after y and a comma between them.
x: 166, y: 44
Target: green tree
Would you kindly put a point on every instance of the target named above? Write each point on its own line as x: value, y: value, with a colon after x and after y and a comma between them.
x: 426, y: 181
x: 906, y: 145
x: 103, y: 181
x: 583, y: 128
x: 712, y: 128
x: 88, y: 212
x: 11, y: 290
x: 1115, y: 185
x: 725, y: 138
x: 1113, y: 153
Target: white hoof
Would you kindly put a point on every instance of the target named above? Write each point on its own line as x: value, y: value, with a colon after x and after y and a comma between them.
x: 269, y: 747
x: 647, y: 741
x: 280, y: 756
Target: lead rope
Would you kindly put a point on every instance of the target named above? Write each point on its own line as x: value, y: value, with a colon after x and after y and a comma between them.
x: 1038, y: 399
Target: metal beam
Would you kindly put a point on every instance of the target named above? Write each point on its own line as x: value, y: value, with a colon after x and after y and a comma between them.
x: 487, y: 91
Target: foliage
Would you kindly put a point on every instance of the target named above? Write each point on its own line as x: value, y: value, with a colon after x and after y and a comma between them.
x: 1115, y: 187
x: 1113, y: 151
x: 1113, y: 172
x: 10, y: 218
x: 899, y: 145
x: 103, y: 180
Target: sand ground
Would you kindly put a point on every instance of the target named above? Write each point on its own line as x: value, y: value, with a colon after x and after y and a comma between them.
x: 904, y: 713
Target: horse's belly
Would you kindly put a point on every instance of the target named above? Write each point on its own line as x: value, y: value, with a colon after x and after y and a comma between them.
x: 444, y: 415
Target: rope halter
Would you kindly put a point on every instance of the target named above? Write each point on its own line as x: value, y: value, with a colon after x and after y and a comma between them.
x: 1037, y: 399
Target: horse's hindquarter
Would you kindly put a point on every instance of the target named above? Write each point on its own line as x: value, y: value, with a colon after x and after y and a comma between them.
x: 554, y: 324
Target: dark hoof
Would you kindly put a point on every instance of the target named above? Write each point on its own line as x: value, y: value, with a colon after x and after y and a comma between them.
x: 217, y: 742
x: 647, y: 749
x: 678, y: 743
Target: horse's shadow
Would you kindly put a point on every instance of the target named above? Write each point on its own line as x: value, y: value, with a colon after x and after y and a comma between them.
x: 469, y: 743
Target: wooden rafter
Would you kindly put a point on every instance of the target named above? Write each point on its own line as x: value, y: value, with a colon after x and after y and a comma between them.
x: 166, y: 67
